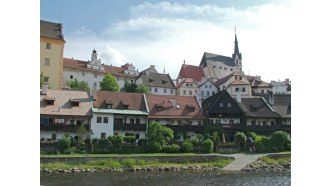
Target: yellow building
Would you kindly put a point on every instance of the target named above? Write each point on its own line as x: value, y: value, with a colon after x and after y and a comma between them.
x: 51, y: 53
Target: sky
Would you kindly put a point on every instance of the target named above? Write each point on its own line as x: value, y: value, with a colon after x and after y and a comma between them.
x: 166, y: 33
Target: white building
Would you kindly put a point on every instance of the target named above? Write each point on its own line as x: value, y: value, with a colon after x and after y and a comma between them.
x: 281, y: 87
x: 206, y: 89
x: 92, y: 72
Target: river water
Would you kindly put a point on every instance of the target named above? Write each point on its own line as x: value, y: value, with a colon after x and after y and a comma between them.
x: 166, y: 178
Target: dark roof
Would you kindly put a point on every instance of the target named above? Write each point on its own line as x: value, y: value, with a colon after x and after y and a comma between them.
x: 257, y: 107
x: 191, y: 71
x: 215, y: 57
x: 51, y: 30
x: 211, y: 104
x: 62, y: 104
x: 223, y: 80
x: 257, y: 82
x: 283, y: 110
x: 168, y: 111
x: 157, y: 80
x: 135, y: 101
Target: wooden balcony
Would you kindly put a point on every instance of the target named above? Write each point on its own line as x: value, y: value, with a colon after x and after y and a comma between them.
x: 62, y: 128
x: 135, y: 127
x: 195, y: 128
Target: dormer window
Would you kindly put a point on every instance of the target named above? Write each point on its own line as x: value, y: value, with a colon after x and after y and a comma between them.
x: 160, y: 107
x: 221, y: 105
x: 109, y: 106
x: 125, y: 106
x: 164, y: 82
x: 191, y: 108
x: 50, y: 100
x: 75, y: 102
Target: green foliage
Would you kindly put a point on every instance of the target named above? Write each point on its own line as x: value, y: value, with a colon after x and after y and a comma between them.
x: 252, y: 135
x: 158, y: 136
x: 260, y: 147
x: 103, y: 142
x: 109, y: 83
x: 41, y: 79
x: 116, y: 140
x: 239, y: 139
x: 63, y: 144
x: 142, y: 89
x: 82, y: 134
x: 129, y: 139
x: 265, y: 142
x: 95, y: 141
x: 279, y: 141
x: 187, y: 146
x: 207, y: 146
x: 129, y: 87
x: 173, y: 148
x: 78, y: 85
x: 73, y: 150
x: 199, y: 138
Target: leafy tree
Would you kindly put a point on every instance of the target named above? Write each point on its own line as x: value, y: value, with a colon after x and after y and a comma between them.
x: 142, y: 89
x: 173, y: 148
x: 279, y: 141
x: 252, y: 135
x: 207, y: 146
x: 239, y: 139
x: 129, y: 139
x: 109, y: 83
x: 116, y: 141
x: 82, y: 134
x: 78, y: 85
x: 187, y: 146
x: 63, y: 143
x: 41, y: 79
x: 199, y: 138
x: 158, y: 136
x: 129, y: 87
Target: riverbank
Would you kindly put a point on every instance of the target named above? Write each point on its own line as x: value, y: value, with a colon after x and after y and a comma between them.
x: 272, y: 162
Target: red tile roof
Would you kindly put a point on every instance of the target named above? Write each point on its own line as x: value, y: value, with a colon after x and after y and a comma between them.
x: 135, y: 101
x: 190, y: 71
x: 63, y: 106
x: 169, y: 111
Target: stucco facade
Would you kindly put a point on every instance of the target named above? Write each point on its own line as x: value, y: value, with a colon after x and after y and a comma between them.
x: 102, y: 125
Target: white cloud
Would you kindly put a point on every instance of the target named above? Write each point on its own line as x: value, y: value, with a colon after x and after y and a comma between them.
x: 167, y: 33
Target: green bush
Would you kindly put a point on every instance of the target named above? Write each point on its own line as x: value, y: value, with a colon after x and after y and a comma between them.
x: 239, y: 139
x: 63, y: 144
x: 129, y: 139
x: 279, y: 140
x: 207, y: 146
x: 103, y: 142
x: 173, y: 148
x: 187, y: 146
x: 260, y: 147
x: 95, y: 141
x: 253, y: 135
x: 154, y: 147
x: 265, y: 142
x: 73, y: 150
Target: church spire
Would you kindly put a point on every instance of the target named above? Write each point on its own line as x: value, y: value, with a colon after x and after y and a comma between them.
x: 236, y: 50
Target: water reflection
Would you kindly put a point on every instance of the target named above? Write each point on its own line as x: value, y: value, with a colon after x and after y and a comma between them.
x: 167, y: 178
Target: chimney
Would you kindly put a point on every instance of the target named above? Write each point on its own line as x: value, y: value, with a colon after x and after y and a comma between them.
x: 173, y: 102
x: 44, y: 89
x: 287, y: 81
x: 238, y: 98
x: 94, y: 92
x: 271, y: 98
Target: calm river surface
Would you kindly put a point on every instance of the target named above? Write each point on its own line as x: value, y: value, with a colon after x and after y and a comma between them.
x: 167, y: 178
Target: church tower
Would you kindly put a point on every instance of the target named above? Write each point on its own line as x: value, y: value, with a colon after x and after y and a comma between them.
x: 237, y: 56
x: 95, y: 63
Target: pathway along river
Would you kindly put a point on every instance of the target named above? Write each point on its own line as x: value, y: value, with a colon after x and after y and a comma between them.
x: 222, y: 178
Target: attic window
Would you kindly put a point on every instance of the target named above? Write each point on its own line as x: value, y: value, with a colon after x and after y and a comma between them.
x: 151, y: 80
x: 164, y: 82
x: 221, y: 105
x: 125, y: 106
x: 50, y: 100
x: 75, y: 102
x: 109, y: 106
x: 191, y: 108
x: 160, y: 107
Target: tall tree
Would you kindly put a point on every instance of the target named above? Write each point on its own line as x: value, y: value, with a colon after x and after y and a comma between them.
x: 109, y: 83
x: 142, y: 89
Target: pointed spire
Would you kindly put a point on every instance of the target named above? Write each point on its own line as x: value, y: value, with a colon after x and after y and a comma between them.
x: 236, y: 50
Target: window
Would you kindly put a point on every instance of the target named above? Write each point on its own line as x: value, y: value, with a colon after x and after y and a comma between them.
x: 137, y: 136
x: 129, y: 134
x: 184, y: 92
x: 59, y: 120
x: 125, y: 106
x: 221, y: 105
x: 259, y: 123
x: 137, y: 121
x: 223, y: 87
x: 213, y: 92
x: 243, y: 89
x: 207, y: 93
x: 268, y: 91
x: 209, y: 86
x: 99, y: 120
x: 228, y: 105
x: 47, y: 61
x: 262, y: 91
x: 171, y: 91
x: 105, y: 119
x: 217, y: 121
x: 195, y: 91
x: 272, y: 123
x: 202, y: 92
x: 71, y: 76
x: 205, y: 86
x: 236, y: 89
x: 72, y: 122
x: 95, y: 84
x: 131, y: 121
x: 83, y: 73
x: 53, y: 136
x: 103, y: 135
x: 48, y: 45
x: 187, y: 84
x: 109, y: 106
x: 253, y: 123
x: 240, y: 78
x: 95, y: 75
x: 165, y: 90
x: 156, y: 89
x: 199, y: 123
x: 190, y: 92
x: 264, y: 122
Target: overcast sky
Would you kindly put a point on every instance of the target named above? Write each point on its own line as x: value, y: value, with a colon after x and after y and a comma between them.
x: 165, y: 33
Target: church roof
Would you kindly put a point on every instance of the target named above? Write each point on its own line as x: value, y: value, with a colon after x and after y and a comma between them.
x: 191, y: 71
x: 51, y: 30
x: 216, y: 58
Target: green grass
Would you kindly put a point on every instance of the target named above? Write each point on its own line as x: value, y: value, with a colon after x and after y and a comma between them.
x: 120, y: 155
x: 130, y: 163
x: 276, y: 158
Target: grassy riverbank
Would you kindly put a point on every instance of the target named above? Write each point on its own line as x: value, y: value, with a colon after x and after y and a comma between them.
x: 272, y: 162
x: 132, y: 163
x: 123, y: 155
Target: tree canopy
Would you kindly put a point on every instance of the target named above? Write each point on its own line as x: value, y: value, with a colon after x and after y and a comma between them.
x: 158, y: 136
x: 142, y: 89
x: 109, y: 83
x: 129, y: 87
x: 78, y: 85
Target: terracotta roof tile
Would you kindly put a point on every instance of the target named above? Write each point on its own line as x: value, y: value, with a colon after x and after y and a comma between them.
x: 190, y: 71
x: 62, y: 104
x: 173, y: 112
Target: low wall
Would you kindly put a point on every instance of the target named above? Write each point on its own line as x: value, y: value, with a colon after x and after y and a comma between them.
x: 173, y: 159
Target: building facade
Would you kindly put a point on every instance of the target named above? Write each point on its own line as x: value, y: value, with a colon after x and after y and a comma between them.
x: 159, y: 84
x: 51, y: 53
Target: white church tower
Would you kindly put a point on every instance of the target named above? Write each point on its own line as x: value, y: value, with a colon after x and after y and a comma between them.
x: 95, y: 63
